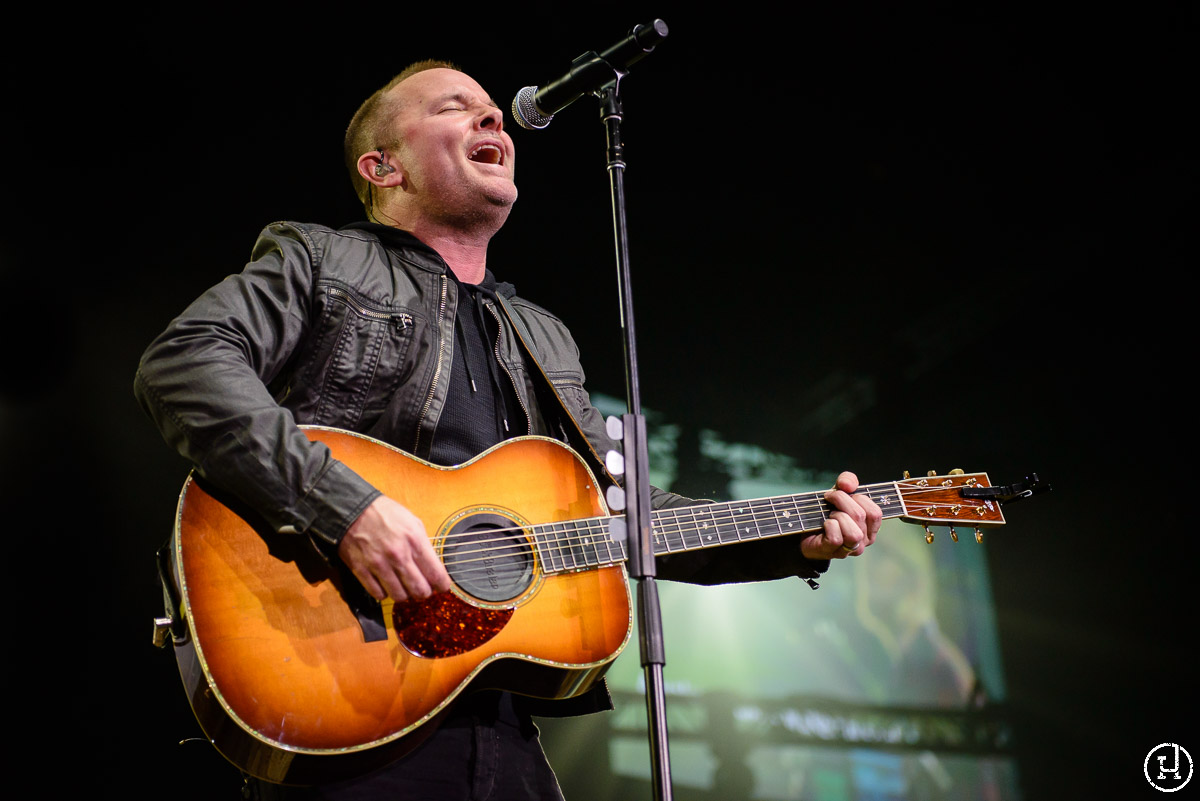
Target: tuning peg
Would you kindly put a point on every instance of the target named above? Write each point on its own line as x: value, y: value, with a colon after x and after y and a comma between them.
x: 615, y: 427
x: 615, y: 462
x: 907, y: 474
x: 953, y: 534
x: 958, y: 471
x: 928, y: 535
x: 978, y: 535
x: 931, y: 473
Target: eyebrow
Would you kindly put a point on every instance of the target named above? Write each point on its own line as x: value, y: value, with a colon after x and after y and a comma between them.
x: 464, y: 98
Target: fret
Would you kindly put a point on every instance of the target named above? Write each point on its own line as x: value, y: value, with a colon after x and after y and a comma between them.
x: 565, y: 549
x: 730, y: 531
x: 712, y: 529
x: 550, y: 549
x: 597, y: 532
x: 798, y: 518
x: 700, y: 529
x: 539, y: 545
x: 560, y: 554
x: 601, y: 534
x: 813, y: 512
x: 692, y: 520
x: 792, y: 516
x: 671, y: 528
x: 738, y: 512
x: 887, y: 498
x: 572, y: 556
x: 621, y: 544
x: 684, y: 522
x: 582, y: 544
x: 770, y: 524
x: 658, y: 529
x: 764, y: 519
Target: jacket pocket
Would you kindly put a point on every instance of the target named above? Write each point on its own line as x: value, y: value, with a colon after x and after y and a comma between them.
x: 364, y: 346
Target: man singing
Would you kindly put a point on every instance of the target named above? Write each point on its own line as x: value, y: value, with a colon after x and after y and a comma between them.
x: 397, y: 328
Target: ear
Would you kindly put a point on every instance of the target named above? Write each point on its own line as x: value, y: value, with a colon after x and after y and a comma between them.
x: 367, y: 167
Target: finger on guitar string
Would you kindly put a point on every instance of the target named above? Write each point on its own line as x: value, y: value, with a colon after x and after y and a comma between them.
x: 843, y: 537
x: 850, y: 525
x: 866, y: 515
x: 389, y: 552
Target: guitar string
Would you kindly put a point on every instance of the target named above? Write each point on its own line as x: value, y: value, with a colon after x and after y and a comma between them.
x: 567, y: 549
x: 735, y: 511
x: 731, y: 510
x: 584, y: 551
x: 570, y: 557
x: 554, y: 542
x: 565, y: 556
x: 804, y: 503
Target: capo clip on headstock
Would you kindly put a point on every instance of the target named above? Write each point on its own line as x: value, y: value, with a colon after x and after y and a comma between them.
x: 1010, y: 493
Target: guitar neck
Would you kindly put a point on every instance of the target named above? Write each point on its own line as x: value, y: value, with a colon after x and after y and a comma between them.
x: 580, y: 544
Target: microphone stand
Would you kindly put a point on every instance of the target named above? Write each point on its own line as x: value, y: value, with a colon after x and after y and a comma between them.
x: 639, y: 541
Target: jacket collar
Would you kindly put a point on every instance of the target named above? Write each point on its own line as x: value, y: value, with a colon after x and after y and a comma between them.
x: 417, y: 253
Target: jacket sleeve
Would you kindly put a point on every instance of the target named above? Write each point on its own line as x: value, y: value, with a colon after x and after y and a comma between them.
x: 204, y: 383
x: 763, y: 560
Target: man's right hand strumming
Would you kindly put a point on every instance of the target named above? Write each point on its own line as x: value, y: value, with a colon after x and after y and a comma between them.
x: 388, y: 550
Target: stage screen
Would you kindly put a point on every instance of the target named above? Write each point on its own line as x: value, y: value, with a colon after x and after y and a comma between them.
x: 884, y: 683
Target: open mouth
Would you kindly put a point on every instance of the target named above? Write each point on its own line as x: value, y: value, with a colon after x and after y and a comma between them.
x: 486, y: 153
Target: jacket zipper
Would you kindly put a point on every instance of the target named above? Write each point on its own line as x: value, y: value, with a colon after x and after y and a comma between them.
x: 400, y: 320
x: 504, y: 367
x: 437, y: 371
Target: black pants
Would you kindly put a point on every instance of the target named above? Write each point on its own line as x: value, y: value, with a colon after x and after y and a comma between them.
x: 485, y: 750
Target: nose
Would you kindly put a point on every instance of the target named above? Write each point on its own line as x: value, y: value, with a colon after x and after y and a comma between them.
x: 492, y: 119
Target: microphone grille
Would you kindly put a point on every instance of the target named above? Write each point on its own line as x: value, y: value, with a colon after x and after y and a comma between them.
x: 526, y: 113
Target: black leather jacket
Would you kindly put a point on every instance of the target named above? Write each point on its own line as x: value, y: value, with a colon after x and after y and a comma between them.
x: 353, y: 328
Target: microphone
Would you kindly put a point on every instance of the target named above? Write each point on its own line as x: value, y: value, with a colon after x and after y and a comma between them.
x: 534, y: 107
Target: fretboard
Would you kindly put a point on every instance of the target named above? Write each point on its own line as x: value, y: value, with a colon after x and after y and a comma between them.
x: 581, y: 544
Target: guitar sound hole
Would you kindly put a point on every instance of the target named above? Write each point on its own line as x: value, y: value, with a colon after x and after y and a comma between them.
x: 489, y: 557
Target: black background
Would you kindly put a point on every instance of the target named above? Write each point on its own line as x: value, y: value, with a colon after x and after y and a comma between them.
x: 869, y: 236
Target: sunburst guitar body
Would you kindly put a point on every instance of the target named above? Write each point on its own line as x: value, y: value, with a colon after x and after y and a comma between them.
x: 298, y: 677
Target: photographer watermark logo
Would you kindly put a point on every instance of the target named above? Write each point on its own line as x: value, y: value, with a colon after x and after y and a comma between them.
x: 1168, y: 767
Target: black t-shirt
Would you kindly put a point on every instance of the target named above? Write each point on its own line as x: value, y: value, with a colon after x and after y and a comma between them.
x: 482, y: 408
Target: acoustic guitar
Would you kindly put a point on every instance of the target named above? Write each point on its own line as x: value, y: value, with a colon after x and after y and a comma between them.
x: 297, y: 676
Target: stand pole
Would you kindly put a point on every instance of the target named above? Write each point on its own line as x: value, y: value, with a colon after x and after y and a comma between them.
x: 637, y: 484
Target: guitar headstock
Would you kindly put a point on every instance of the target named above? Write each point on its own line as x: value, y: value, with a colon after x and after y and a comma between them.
x: 946, y: 500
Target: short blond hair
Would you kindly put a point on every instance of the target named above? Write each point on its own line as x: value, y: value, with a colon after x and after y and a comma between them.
x: 369, y: 128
